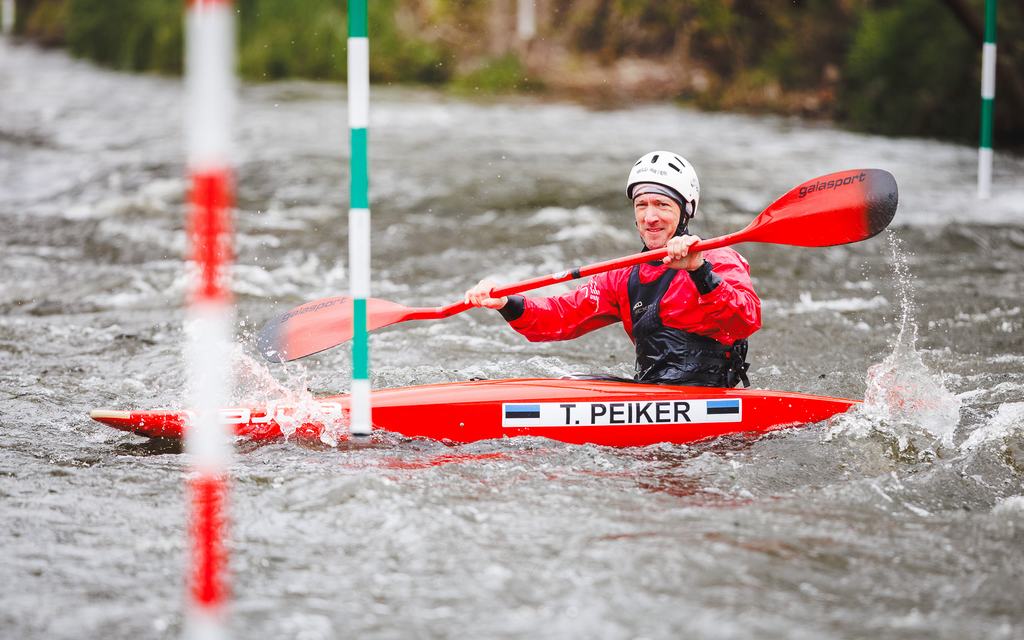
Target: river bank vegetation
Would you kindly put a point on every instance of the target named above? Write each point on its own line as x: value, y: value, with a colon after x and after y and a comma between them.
x: 906, y: 67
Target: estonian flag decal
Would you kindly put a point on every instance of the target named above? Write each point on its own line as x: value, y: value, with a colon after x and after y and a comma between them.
x: 513, y: 411
x: 721, y: 407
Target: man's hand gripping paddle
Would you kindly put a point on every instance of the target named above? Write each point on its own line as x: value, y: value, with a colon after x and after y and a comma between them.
x: 838, y: 208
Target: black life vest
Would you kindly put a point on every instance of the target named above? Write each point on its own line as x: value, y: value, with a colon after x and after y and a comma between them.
x: 666, y: 355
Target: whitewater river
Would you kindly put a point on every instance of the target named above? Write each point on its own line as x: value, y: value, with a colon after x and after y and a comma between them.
x: 903, y: 519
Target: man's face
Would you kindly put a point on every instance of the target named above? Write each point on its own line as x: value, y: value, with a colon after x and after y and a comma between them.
x: 657, y: 217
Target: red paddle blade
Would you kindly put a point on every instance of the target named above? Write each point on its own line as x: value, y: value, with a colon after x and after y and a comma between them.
x: 320, y: 325
x: 838, y: 208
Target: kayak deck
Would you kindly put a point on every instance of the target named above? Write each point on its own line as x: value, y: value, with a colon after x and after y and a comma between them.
x: 611, y: 413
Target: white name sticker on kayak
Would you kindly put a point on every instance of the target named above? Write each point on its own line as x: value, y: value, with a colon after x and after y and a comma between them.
x: 626, y: 412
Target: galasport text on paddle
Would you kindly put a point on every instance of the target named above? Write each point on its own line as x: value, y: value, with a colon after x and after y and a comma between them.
x: 838, y: 208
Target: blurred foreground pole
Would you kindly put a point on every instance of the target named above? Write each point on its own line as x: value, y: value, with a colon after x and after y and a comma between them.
x: 526, y: 23
x: 8, y: 20
x: 988, y: 94
x: 359, y: 212
x: 209, y: 104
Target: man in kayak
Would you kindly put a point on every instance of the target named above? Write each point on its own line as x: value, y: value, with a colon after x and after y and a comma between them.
x: 688, y: 329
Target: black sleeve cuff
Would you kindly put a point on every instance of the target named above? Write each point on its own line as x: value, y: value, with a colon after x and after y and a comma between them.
x: 705, y: 279
x: 515, y: 307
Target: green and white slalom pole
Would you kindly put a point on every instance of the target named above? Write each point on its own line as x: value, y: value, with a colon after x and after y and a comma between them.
x: 988, y: 95
x: 359, y: 212
x: 209, y: 112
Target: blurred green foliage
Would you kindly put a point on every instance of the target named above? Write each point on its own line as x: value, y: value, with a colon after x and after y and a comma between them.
x: 277, y: 41
x: 277, y: 38
x: 284, y: 38
x: 502, y: 74
x: 912, y: 69
x: 127, y: 34
x: 887, y: 66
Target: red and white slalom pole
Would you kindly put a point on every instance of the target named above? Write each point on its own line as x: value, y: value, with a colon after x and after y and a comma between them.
x: 210, y: 96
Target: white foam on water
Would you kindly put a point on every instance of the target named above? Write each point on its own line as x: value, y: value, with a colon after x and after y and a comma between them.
x: 1014, y: 505
x: 163, y: 284
x: 305, y: 277
x: 257, y: 281
x: 808, y: 304
x: 547, y: 367
x: 559, y: 216
x: 532, y: 367
x: 970, y: 319
x: 1008, y: 420
x: 1011, y: 358
x: 747, y: 199
x: 1005, y: 206
x: 594, y: 230
x: 159, y: 196
x: 119, y: 229
x: 861, y: 285
x: 581, y: 223
x: 276, y: 218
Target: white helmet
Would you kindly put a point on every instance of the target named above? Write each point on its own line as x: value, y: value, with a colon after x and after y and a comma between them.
x: 668, y: 170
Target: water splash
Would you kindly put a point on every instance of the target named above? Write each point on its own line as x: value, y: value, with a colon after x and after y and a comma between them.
x: 255, y: 385
x: 904, y: 399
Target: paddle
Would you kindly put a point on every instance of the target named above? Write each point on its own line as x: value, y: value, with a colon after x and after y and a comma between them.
x: 834, y: 209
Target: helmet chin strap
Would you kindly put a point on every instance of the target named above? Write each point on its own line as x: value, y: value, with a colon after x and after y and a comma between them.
x: 685, y: 215
x: 684, y: 220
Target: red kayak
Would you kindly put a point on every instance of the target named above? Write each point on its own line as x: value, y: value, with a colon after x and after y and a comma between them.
x: 611, y: 413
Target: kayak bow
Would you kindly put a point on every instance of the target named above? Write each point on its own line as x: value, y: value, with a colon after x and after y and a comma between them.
x: 610, y: 413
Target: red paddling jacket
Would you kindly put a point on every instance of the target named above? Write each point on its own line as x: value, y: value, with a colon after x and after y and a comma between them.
x: 689, y: 327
